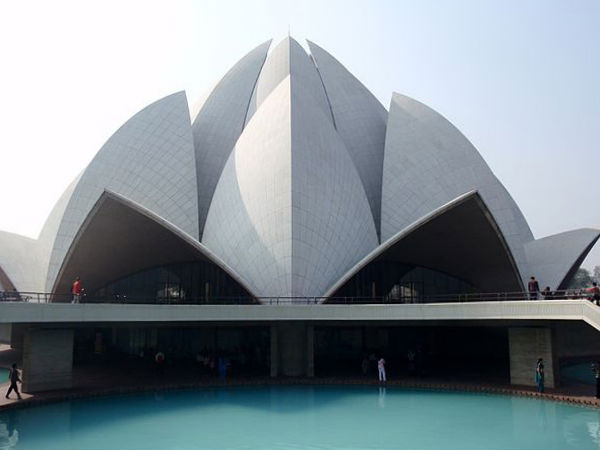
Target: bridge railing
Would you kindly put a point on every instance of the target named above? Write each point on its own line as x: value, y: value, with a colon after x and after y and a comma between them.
x: 45, y: 297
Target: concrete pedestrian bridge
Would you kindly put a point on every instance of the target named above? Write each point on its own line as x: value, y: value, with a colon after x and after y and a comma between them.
x: 514, y: 311
x: 516, y: 332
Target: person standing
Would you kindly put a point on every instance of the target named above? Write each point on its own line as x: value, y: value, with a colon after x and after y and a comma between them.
x: 159, y: 361
x: 539, y: 375
x: 76, y: 290
x: 595, y: 291
x: 381, y: 369
x: 534, y: 288
x: 14, y: 379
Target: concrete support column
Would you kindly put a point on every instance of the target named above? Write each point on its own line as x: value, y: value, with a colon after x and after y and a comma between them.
x: 526, y: 345
x: 17, y: 335
x: 5, y: 333
x: 274, y: 351
x: 310, y: 351
x: 292, y: 350
x: 47, y: 360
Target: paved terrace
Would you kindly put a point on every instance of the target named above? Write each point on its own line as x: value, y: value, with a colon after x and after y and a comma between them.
x: 22, y: 312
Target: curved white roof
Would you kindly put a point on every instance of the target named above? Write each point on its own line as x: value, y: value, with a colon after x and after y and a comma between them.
x: 219, y: 124
x: 554, y: 259
x: 427, y: 163
x: 360, y: 120
x: 149, y: 160
x: 291, y: 226
x: 292, y: 174
x: 288, y: 58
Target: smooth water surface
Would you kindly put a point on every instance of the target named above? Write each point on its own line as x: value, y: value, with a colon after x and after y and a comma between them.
x: 3, y: 375
x: 302, y: 417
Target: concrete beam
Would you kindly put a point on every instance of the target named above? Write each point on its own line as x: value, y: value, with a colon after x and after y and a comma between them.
x: 115, y: 313
x: 274, y: 351
x: 47, y: 360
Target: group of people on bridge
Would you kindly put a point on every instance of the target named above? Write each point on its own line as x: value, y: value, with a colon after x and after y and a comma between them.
x: 592, y: 292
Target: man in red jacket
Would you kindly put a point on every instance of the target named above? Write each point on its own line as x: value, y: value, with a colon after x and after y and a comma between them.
x: 76, y: 290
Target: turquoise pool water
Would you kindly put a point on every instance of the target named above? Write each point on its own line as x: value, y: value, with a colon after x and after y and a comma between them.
x: 3, y: 375
x: 302, y: 417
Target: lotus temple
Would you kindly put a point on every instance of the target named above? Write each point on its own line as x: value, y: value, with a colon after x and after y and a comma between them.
x: 291, y: 221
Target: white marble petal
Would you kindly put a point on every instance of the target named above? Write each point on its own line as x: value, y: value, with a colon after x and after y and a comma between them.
x: 554, y: 259
x: 149, y: 160
x: 427, y: 163
x: 360, y: 121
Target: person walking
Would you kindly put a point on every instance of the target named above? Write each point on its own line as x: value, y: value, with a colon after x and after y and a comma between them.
x: 76, y: 290
x: 534, y: 288
x: 539, y: 375
x: 381, y: 369
x: 14, y: 379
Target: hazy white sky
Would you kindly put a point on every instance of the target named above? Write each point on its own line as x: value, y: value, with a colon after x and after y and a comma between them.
x: 519, y: 78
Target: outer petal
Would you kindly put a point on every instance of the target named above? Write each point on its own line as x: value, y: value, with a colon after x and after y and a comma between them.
x: 290, y: 213
x: 220, y: 122
x: 19, y: 263
x: 553, y: 260
x: 150, y: 160
x: 133, y: 239
x: 428, y: 162
x: 360, y: 121
x: 459, y: 238
x: 24, y: 261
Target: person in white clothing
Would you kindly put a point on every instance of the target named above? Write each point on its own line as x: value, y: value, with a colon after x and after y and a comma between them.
x: 381, y: 367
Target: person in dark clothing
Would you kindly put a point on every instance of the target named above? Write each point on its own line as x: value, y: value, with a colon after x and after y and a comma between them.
x: 14, y: 379
x: 534, y: 288
x: 539, y: 375
x: 547, y: 293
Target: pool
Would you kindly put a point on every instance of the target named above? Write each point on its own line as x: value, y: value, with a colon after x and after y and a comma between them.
x: 302, y: 417
x: 3, y: 375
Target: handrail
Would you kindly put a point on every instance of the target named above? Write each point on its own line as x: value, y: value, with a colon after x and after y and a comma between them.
x: 47, y: 297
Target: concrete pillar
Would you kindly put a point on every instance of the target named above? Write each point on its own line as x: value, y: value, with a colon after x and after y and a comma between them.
x: 526, y: 345
x: 17, y: 335
x: 274, y: 351
x: 310, y: 351
x: 5, y: 333
x: 47, y: 360
x: 292, y: 349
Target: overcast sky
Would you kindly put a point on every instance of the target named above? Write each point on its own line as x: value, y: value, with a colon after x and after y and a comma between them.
x: 521, y: 79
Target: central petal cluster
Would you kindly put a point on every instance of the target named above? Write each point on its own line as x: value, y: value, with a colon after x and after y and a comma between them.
x: 290, y: 211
